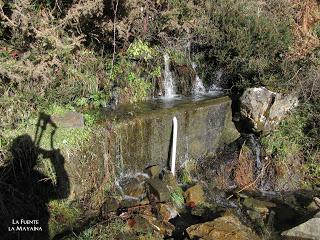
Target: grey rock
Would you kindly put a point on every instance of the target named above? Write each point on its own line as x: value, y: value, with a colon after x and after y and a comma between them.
x: 69, y: 120
x: 159, y: 189
x: 264, y: 109
x: 132, y: 188
x: 153, y: 171
x: 307, y: 230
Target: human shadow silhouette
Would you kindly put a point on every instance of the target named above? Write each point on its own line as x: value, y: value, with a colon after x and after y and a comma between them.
x: 25, y: 191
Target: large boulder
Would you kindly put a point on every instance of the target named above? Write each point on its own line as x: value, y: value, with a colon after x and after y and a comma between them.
x: 307, y: 230
x: 227, y: 227
x: 263, y: 109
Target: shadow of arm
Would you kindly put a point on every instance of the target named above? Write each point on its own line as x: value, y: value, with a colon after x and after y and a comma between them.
x: 62, y: 188
x: 63, y: 183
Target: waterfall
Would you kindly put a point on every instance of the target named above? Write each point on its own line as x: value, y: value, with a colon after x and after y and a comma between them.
x: 256, y: 147
x: 198, y: 87
x: 169, y: 87
x: 214, y: 87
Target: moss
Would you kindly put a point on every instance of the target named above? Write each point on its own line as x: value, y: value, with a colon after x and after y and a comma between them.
x: 178, y: 56
x: 177, y: 197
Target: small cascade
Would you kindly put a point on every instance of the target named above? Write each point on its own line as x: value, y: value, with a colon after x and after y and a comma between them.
x: 169, y: 87
x: 188, y: 50
x: 256, y: 147
x: 198, y: 87
x: 214, y: 87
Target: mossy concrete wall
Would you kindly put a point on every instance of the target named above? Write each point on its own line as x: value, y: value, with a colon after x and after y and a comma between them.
x: 144, y: 139
x: 129, y: 141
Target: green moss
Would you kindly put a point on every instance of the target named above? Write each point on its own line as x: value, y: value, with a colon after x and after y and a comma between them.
x: 177, y: 197
x: 156, y: 71
x: 177, y: 56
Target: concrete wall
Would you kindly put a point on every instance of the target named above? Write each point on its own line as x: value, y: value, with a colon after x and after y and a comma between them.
x: 144, y: 139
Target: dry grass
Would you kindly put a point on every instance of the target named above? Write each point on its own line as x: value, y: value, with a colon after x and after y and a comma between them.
x: 307, y: 15
x: 244, y: 170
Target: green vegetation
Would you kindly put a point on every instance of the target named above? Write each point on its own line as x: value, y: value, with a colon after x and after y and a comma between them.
x: 297, y: 138
x: 59, y: 56
x: 248, y: 41
x: 177, y: 197
x: 185, y: 176
x: 62, y: 216
x: 110, y: 230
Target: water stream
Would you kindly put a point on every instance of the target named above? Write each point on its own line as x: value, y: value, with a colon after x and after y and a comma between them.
x: 169, y: 85
x: 198, y: 87
x: 256, y: 147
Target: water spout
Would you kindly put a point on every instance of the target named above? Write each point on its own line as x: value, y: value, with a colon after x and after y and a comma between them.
x: 174, y: 145
x: 214, y: 87
x: 198, y: 87
x: 169, y: 87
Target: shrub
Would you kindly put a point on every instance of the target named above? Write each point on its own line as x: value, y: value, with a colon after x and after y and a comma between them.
x: 247, y: 38
x: 136, y: 72
x: 296, y: 138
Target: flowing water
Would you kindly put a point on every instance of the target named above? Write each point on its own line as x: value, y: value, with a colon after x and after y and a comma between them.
x: 256, y: 148
x: 169, y: 85
x: 198, y: 87
x: 214, y: 88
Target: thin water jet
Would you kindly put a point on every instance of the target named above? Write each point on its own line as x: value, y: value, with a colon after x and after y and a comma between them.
x: 169, y: 86
x: 198, y: 87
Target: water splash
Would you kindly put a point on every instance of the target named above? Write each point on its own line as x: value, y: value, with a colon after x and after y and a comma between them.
x: 214, y: 87
x: 169, y: 86
x: 198, y: 87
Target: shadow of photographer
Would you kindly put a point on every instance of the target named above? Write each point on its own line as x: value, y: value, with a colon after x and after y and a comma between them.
x: 25, y: 191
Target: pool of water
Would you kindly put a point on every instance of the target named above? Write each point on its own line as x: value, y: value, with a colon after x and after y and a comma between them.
x: 160, y: 103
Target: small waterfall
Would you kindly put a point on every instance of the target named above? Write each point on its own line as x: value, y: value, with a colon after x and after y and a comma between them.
x: 188, y: 50
x: 198, y: 87
x: 214, y: 87
x: 256, y: 147
x: 169, y: 87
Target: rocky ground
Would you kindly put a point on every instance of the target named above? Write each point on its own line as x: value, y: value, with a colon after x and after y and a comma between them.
x: 157, y: 205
